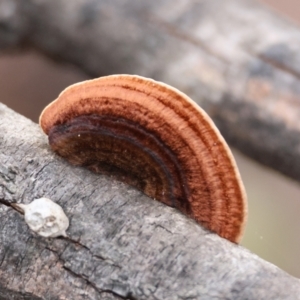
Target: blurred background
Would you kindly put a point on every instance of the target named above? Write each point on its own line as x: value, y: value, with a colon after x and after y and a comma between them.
x: 29, y: 81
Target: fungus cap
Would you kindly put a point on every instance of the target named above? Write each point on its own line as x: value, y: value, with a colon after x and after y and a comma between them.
x: 154, y: 137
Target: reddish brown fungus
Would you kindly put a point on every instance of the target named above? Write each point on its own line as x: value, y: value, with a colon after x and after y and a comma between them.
x: 153, y: 137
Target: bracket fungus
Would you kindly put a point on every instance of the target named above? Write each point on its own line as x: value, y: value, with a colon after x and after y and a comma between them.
x: 155, y: 138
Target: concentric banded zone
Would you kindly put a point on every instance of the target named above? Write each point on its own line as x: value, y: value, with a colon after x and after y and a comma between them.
x: 155, y: 138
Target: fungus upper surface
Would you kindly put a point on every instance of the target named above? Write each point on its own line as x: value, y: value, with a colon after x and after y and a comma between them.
x: 155, y: 138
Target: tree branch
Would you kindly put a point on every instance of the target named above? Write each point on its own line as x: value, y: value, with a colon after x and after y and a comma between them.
x: 235, y: 58
x: 121, y: 245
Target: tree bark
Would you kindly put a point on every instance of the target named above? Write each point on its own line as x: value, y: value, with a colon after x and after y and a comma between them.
x: 121, y: 244
x: 235, y: 58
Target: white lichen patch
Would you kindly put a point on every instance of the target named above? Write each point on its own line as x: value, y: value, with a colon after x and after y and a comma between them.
x: 45, y: 217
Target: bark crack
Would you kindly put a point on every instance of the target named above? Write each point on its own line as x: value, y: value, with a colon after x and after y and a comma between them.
x: 14, y: 206
x: 101, y: 291
x: 77, y: 243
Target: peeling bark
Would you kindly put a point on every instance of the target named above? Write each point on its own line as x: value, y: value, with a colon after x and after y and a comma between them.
x: 121, y: 244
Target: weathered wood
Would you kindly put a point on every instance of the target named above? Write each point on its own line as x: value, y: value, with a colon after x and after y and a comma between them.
x: 235, y: 58
x: 122, y: 245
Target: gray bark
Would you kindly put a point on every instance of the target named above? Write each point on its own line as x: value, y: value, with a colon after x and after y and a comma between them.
x: 235, y: 58
x: 121, y: 244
